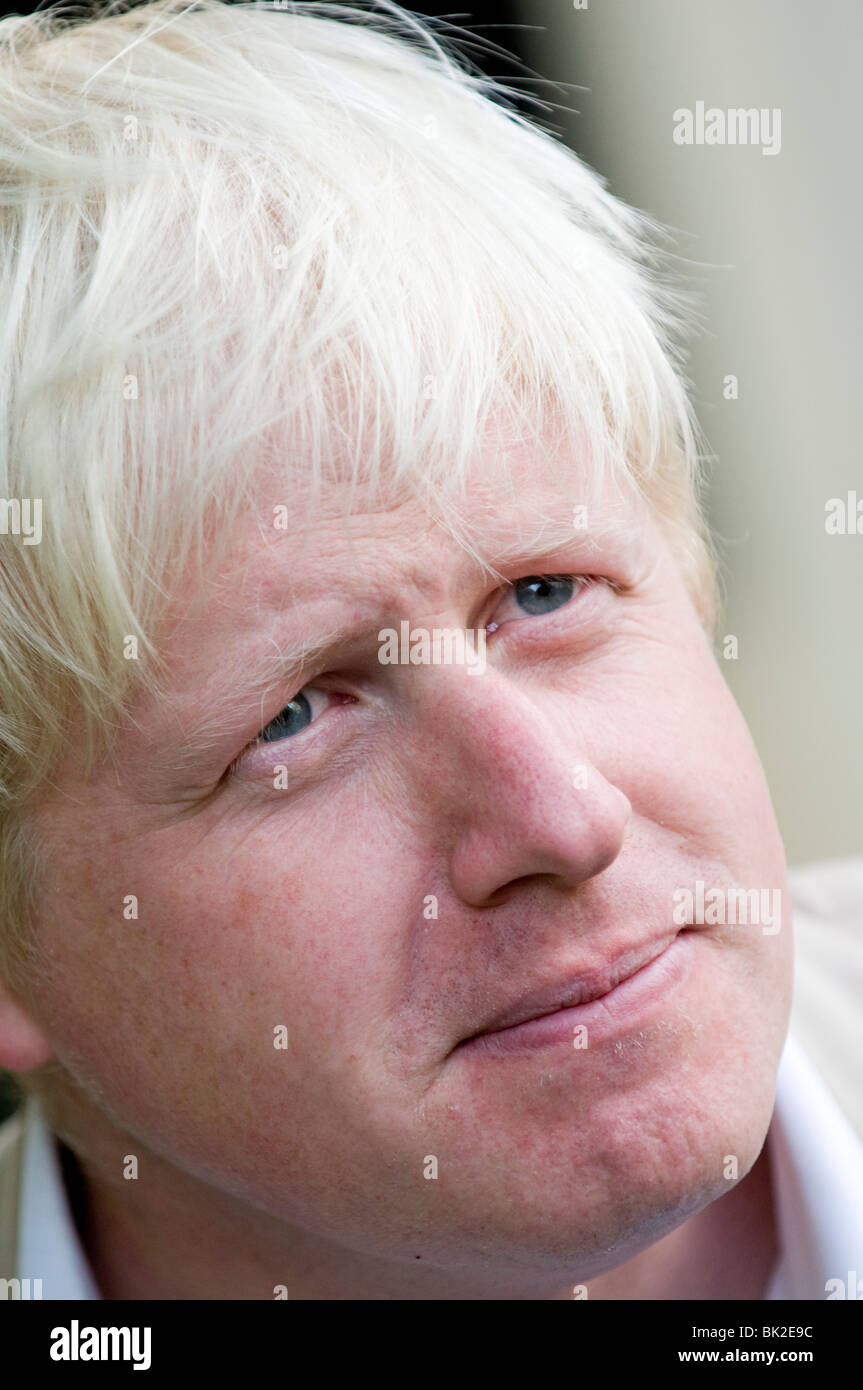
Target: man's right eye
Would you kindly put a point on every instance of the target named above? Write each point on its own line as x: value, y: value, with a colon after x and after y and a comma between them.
x: 297, y: 715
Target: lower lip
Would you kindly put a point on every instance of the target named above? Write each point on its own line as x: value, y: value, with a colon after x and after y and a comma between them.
x: 623, y: 1010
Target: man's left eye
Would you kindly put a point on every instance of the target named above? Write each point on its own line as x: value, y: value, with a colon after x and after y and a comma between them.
x: 538, y: 594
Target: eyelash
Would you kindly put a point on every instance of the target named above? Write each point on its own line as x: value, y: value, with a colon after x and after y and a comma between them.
x: 581, y: 582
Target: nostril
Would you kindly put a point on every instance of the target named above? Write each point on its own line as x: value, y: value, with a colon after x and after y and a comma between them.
x: 505, y: 892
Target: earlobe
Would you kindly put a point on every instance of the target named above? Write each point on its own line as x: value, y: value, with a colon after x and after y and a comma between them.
x: 23, y: 1043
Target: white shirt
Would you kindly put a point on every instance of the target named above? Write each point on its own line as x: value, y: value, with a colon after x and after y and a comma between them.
x: 49, y: 1247
x: 816, y: 1163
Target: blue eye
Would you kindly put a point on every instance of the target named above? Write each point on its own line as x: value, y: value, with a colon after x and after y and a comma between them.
x: 294, y: 717
x: 297, y: 715
x: 539, y: 594
x: 536, y: 595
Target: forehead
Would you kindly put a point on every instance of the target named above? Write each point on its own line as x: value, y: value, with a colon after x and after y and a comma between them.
x: 515, y: 502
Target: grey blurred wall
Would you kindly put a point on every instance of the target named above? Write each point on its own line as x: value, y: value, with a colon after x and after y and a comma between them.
x: 773, y: 241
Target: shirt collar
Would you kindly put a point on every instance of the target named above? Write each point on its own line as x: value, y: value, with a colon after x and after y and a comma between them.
x: 816, y: 1163
x: 49, y: 1247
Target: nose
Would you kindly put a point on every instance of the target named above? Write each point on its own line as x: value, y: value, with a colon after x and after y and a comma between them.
x: 513, y: 783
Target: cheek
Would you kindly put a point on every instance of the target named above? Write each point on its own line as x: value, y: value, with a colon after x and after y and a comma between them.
x: 684, y: 756
x: 726, y: 782
x: 236, y: 987
x: 721, y: 806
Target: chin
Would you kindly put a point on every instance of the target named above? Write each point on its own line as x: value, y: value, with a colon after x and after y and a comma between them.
x: 575, y: 1200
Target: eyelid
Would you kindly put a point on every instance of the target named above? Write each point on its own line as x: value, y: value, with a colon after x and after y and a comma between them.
x: 309, y: 686
x: 278, y: 746
x: 579, y: 581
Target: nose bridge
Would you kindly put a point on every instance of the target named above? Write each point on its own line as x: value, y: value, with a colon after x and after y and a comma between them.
x: 481, y: 719
x: 505, y: 731
x: 519, y: 797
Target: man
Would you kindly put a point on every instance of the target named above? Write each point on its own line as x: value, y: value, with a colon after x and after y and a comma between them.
x: 359, y: 961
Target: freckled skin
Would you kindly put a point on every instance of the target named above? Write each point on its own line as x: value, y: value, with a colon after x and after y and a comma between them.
x: 304, y: 908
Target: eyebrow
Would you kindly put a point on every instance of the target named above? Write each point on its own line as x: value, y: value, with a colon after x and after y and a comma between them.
x: 279, y: 666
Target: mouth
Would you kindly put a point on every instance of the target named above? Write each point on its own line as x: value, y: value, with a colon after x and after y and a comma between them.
x: 593, y: 1007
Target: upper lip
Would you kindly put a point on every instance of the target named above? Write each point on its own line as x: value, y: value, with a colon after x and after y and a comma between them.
x: 578, y: 988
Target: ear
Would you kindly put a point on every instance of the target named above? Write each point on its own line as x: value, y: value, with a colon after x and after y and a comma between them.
x: 23, y: 1044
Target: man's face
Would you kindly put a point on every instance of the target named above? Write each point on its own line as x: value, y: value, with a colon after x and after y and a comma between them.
x: 416, y: 854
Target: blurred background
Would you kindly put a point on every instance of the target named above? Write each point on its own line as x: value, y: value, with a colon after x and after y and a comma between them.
x: 771, y: 241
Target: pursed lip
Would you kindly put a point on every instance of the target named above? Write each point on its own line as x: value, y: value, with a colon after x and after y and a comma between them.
x: 577, y: 989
